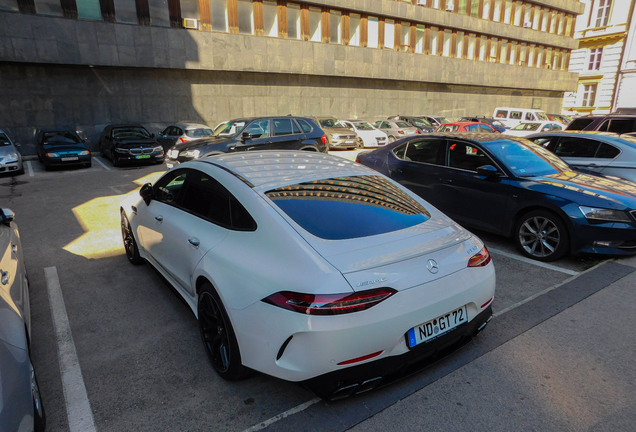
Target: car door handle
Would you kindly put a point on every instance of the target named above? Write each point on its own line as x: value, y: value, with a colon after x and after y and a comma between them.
x: 446, y: 181
x: 14, y: 248
x: 592, y: 165
x: 194, y: 242
x: 159, y: 218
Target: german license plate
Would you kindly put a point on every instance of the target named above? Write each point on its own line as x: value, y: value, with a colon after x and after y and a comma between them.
x: 66, y: 159
x: 436, y: 327
x: 142, y: 157
x: 348, y: 142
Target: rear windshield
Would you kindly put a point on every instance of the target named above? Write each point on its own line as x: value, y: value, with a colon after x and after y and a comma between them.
x: 402, y: 124
x: 580, y: 124
x: 349, y: 207
x: 198, y: 133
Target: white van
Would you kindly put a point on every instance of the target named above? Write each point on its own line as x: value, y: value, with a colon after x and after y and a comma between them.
x: 511, y: 117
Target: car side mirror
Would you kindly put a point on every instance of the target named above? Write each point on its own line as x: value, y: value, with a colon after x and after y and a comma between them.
x: 147, y: 193
x: 487, y: 171
x: 246, y: 136
x: 6, y: 216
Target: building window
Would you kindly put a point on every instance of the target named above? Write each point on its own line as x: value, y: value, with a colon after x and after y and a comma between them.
x: 389, y: 34
x: 270, y: 18
x: 126, y: 11
x: 354, y: 29
x: 404, y: 37
x: 293, y: 21
x: 595, y: 59
x: 419, y: 38
x: 603, y: 12
x: 159, y: 13
x: 190, y: 9
x: 245, y: 17
x: 335, y: 26
x: 315, y: 30
x: 372, y: 31
x: 589, y: 94
x: 462, y: 6
x: 88, y: 9
x: 52, y: 7
x: 218, y: 12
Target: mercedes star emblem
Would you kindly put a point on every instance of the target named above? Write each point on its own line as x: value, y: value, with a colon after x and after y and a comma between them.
x: 432, y: 266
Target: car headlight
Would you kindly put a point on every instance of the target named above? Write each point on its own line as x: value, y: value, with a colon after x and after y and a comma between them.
x: 193, y: 153
x: 121, y: 150
x: 335, y: 137
x: 52, y: 155
x: 84, y: 153
x: 173, y: 154
x: 11, y: 157
x: 157, y: 149
x: 601, y: 214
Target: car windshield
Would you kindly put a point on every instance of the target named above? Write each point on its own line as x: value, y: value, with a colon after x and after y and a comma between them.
x: 363, y: 126
x: 527, y: 126
x: 402, y: 124
x: 422, y: 123
x: 363, y: 206
x: 331, y: 123
x: 4, y: 140
x: 542, y: 116
x: 199, y: 133
x: 447, y: 128
x: 526, y: 159
x: 230, y: 128
x: 130, y: 132
x: 60, y: 138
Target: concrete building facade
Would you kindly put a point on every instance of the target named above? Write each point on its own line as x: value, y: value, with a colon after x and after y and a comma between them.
x: 602, y: 32
x: 83, y: 64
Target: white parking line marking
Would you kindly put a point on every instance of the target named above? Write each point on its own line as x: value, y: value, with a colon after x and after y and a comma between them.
x: 534, y: 262
x: 281, y: 416
x: 30, y: 168
x: 547, y: 290
x: 96, y: 159
x: 78, y: 408
x: 117, y: 191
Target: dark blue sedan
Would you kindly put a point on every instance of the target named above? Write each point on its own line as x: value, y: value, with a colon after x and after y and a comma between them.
x: 513, y: 187
x: 59, y: 147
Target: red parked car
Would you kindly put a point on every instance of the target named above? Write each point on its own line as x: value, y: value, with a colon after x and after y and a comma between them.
x: 466, y: 127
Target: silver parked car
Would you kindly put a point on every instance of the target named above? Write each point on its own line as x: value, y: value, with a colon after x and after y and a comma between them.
x: 20, y: 401
x: 604, y: 153
x: 10, y: 158
x: 183, y: 132
x: 396, y: 129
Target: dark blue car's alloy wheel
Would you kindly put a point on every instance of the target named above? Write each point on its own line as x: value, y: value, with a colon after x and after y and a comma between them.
x: 539, y: 236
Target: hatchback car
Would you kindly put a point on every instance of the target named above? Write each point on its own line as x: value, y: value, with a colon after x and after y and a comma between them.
x: 181, y: 133
x: 601, y: 153
x: 61, y: 147
x: 530, y: 128
x: 513, y: 187
x: 495, y: 124
x: 370, y: 136
x: 468, y: 126
x: 10, y: 157
x: 250, y: 238
x: 396, y: 129
x: 130, y: 143
x: 20, y: 401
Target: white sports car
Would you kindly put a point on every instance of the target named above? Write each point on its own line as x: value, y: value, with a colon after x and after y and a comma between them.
x: 310, y: 268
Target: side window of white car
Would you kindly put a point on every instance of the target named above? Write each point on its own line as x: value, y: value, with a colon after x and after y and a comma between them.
x: 168, y: 188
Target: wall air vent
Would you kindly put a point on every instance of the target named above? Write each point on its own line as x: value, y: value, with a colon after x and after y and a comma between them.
x: 190, y: 23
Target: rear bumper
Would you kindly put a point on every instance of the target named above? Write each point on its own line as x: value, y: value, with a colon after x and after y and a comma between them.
x: 359, y: 379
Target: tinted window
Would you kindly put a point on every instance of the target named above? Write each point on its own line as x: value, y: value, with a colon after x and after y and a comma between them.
x: 467, y: 156
x: 199, y: 133
x: 580, y: 124
x: 426, y: 151
x: 295, y: 128
x: 526, y: 159
x: 304, y: 125
x: 362, y: 205
x: 4, y: 140
x: 259, y: 128
x: 168, y: 188
x: 607, y: 151
x: 282, y: 127
x: 576, y: 147
x: 621, y: 126
x: 472, y: 128
x: 485, y: 128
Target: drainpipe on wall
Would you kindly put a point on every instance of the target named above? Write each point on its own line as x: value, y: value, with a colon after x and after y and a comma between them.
x: 619, y: 75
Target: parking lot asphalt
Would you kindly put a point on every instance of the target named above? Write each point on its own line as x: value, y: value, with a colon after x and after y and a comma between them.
x: 121, y: 352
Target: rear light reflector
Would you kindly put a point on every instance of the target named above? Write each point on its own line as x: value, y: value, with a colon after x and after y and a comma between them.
x: 323, y: 139
x: 359, y: 359
x: 487, y: 303
x: 329, y: 304
x: 480, y: 259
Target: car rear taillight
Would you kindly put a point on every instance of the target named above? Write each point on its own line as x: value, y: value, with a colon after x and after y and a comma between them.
x: 329, y: 304
x: 480, y: 259
x: 323, y: 139
x: 401, y: 132
x: 182, y: 140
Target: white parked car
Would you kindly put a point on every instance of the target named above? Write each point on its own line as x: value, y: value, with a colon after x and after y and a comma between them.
x: 525, y: 129
x: 309, y: 267
x: 371, y: 136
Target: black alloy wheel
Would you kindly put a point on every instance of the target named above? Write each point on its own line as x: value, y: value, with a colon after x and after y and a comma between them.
x: 39, y: 416
x: 130, y: 245
x: 542, y: 235
x: 113, y: 158
x: 218, y: 336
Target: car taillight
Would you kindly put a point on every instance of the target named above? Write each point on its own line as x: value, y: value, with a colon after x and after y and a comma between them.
x: 401, y: 132
x: 182, y: 140
x: 329, y: 304
x: 480, y: 259
x: 323, y: 139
